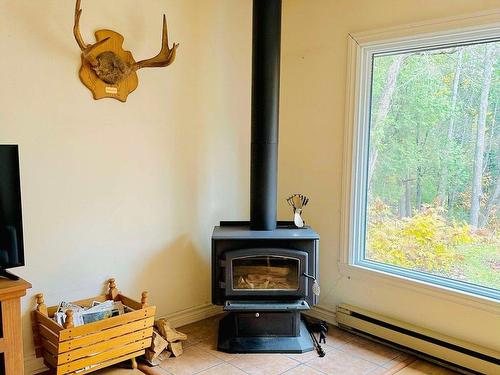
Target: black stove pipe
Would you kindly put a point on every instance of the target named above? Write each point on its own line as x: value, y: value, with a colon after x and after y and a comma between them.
x: 265, y: 113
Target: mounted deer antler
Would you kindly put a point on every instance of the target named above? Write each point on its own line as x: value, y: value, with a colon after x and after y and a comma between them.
x: 107, y: 69
x: 166, y: 55
x: 76, y: 27
x: 86, y: 48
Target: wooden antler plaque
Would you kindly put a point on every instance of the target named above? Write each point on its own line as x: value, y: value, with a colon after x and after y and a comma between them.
x: 107, y: 69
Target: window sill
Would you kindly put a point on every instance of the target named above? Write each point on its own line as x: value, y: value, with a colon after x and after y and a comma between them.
x: 363, y: 273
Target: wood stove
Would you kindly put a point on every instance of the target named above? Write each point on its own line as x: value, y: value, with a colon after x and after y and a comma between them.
x: 263, y: 271
x: 250, y: 265
x: 264, y: 280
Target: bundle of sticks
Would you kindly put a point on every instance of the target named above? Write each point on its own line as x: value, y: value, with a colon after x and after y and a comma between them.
x: 167, y: 341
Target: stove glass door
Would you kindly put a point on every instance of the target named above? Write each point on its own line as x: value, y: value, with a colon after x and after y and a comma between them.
x: 266, y: 272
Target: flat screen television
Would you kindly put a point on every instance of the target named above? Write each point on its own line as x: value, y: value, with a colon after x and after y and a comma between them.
x: 11, y: 223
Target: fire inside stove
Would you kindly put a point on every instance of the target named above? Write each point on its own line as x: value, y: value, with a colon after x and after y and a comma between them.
x: 265, y: 273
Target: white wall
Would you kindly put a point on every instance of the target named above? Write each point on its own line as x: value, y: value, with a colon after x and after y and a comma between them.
x: 311, y: 151
x: 126, y: 190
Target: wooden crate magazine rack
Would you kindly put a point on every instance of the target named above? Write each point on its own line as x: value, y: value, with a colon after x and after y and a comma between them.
x: 69, y: 350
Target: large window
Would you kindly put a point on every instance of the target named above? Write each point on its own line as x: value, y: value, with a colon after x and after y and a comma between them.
x: 427, y: 162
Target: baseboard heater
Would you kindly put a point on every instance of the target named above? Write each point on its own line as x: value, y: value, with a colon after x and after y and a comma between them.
x: 461, y: 355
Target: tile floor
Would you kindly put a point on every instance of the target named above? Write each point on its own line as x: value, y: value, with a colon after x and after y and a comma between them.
x: 346, y: 354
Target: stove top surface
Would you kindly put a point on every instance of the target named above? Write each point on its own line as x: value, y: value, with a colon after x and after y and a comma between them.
x: 241, y: 230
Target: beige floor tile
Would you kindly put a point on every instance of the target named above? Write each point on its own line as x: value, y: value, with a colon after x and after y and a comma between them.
x: 359, y: 340
x: 379, y: 371
x: 346, y: 354
x: 263, y: 364
x: 193, y: 326
x: 340, y: 363
x: 210, y: 346
x: 425, y: 368
x: 305, y: 357
x: 336, y: 337
x: 370, y: 351
x: 207, y: 324
x: 303, y: 370
x: 223, y: 369
x: 156, y: 370
x: 192, y: 361
x: 197, y: 334
x: 401, y: 359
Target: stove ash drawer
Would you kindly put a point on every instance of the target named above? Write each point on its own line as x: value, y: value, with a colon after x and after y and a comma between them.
x: 271, y: 324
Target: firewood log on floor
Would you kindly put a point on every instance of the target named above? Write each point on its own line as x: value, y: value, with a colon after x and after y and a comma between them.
x: 175, y: 348
x: 167, y: 341
x: 170, y: 334
x: 158, y: 346
x: 153, y: 360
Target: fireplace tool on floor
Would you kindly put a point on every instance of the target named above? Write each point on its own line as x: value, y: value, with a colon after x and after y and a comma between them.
x: 320, y: 327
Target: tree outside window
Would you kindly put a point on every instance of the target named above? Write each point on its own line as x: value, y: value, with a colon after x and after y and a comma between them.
x: 433, y: 168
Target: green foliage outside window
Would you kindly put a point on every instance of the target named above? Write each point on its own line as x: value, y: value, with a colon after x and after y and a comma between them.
x: 434, y: 162
x: 428, y: 242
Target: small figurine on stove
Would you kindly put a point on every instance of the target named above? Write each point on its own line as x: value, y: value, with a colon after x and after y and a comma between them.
x: 298, y: 202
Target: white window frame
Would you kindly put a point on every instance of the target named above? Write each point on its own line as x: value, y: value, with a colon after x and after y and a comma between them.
x: 476, y: 27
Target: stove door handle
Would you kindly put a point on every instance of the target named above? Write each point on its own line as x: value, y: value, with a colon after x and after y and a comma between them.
x: 308, y: 276
x: 315, y: 287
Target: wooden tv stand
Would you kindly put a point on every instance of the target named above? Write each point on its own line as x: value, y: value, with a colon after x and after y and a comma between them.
x: 11, y: 339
